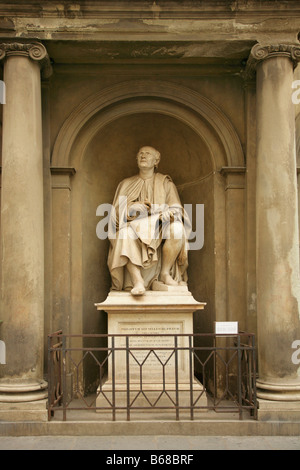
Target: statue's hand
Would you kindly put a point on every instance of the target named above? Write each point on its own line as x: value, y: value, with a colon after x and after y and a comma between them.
x: 167, y: 216
x: 138, y: 209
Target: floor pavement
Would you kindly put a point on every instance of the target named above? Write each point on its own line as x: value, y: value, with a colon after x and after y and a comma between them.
x: 153, y: 443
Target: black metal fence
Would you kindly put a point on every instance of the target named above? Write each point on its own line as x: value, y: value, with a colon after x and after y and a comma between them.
x: 184, y: 375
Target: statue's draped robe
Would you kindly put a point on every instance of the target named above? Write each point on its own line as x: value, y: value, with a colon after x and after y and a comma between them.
x: 139, y: 239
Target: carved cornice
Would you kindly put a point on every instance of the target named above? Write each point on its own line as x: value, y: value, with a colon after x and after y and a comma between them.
x: 227, y: 170
x: 261, y: 52
x: 34, y: 51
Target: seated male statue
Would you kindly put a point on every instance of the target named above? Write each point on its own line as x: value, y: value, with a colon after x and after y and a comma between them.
x: 147, y: 230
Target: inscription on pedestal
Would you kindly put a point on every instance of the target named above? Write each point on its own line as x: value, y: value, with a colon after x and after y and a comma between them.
x: 149, y: 359
x: 155, y: 342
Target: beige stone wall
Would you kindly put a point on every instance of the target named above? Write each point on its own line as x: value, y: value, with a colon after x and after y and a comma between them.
x: 170, y: 76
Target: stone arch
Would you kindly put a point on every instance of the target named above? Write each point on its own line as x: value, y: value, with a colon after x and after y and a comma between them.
x: 183, y: 103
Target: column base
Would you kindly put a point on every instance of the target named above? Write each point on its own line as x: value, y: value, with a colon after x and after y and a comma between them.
x: 22, y: 390
x: 23, y: 400
x: 278, y: 391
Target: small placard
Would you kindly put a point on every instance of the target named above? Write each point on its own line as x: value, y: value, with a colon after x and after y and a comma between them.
x: 226, y: 327
x: 2, y: 353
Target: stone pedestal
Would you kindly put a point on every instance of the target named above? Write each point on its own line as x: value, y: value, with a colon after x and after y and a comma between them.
x: 35, y: 410
x: 149, y: 322
x: 274, y: 410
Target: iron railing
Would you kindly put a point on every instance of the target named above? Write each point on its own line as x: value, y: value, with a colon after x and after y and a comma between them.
x: 181, y: 374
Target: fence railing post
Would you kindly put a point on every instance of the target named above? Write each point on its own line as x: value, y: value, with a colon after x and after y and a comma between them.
x: 176, y: 377
x: 239, y: 375
x: 127, y: 379
x: 50, y: 384
x: 64, y: 378
x: 113, y: 378
x: 254, y: 377
x: 191, y: 377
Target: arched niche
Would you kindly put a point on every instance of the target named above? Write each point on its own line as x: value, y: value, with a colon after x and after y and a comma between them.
x: 100, y: 140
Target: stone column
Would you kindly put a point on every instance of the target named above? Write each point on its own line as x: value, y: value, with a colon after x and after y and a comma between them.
x: 278, y: 292
x: 22, y: 238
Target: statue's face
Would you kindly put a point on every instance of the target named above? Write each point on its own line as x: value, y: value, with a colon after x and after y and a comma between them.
x: 147, y: 158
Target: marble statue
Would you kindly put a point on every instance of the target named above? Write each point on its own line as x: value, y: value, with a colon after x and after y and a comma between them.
x: 147, y: 230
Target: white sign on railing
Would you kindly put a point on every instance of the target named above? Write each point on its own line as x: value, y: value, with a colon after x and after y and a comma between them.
x: 226, y: 327
x: 2, y: 353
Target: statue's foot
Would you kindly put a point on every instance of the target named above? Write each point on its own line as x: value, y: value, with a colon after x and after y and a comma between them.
x: 138, y: 289
x: 168, y: 280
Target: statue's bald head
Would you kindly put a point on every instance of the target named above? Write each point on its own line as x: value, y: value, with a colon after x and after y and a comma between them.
x: 153, y: 151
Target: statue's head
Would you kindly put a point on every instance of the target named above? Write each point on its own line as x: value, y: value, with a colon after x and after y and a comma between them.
x: 148, y: 157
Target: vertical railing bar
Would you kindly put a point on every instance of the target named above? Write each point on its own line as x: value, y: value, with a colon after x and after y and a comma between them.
x: 164, y: 376
x: 140, y: 364
x: 50, y: 385
x: 215, y: 369
x: 127, y: 379
x: 227, y: 372
x: 191, y: 377
x: 60, y: 372
x: 254, y: 376
x: 59, y: 361
x: 64, y: 379
x: 176, y: 377
x: 239, y: 376
x: 113, y: 378
x: 249, y: 372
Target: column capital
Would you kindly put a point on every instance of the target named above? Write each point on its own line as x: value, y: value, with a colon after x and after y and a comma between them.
x: 35, y: 51
x: 261, y: 52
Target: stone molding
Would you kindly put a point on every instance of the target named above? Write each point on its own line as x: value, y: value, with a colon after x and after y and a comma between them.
x: 61, y: 177
x: 235, y: 177
x: 261, y: 52
x: 63, y: 171
x: 34, y: 51
x: 153, y: 96
x: 225, y: 170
